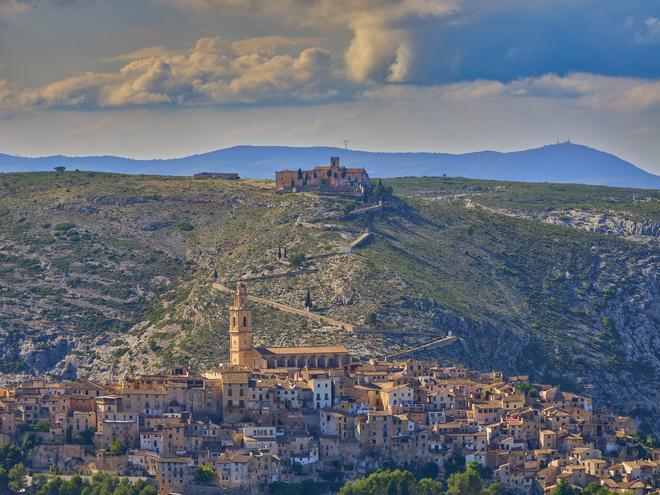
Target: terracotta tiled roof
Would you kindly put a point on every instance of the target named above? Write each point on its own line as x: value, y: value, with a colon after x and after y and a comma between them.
x: 288, y: 351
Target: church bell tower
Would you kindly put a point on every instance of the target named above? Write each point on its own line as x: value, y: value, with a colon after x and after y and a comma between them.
x: 240, y: 328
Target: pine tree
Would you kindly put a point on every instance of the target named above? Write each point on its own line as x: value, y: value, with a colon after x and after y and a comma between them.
x: 308, y: 301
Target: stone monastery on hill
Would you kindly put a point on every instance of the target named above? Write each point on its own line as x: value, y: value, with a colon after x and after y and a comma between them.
x: 242, y: 352
x: 333, y: 178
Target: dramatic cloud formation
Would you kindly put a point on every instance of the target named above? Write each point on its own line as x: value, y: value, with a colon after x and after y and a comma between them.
x: 425, y: 42
x: 518, y: 65
x: 384, y: 32
x: 439, y: 41
x: 214, y: 72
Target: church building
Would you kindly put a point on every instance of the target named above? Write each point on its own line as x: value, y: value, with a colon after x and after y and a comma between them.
x: 333, y: 177
x: 243, y: 353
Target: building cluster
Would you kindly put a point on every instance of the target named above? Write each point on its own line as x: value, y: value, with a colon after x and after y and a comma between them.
x: 325, y: 178
x: 216, y: 175
x: 288, y: 414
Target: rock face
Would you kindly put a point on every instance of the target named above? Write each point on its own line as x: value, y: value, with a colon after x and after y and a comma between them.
x: 104, y: 276
x: 604, y: 223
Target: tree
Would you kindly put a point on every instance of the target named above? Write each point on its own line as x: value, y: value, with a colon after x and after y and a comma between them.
x: 468, y: 482
x: 308, y: 300
x: 85, y: 437
x: 204, y: 474
x: 297, y: 468
x: 117, y: 448
x: 494, y: 489
x: 215, y: 275
x: 4, y: 480
x: 454, y: 464
x: 382, y: 192
x: 300, y: 174
x: 17, y: 477
x: 297, y: 259
x: 41, y: 426
x: 383, y: 482
x: 562, y: 488
x: 427, y: 486
x: 10, y: 455
x: 100, y: 484
x: 30, y: 440
x: 293, y: 184
x: 429, y: 470
x: 60, y: 168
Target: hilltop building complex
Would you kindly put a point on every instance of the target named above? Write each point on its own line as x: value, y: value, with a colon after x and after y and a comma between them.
x: 332, y: 178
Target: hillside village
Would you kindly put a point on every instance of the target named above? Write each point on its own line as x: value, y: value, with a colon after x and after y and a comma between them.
x: 287, y: 414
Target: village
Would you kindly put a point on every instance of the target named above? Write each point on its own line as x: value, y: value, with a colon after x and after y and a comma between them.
x: 288, y: 414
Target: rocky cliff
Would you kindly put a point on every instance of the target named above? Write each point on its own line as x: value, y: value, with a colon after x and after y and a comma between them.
x: 106, y: 275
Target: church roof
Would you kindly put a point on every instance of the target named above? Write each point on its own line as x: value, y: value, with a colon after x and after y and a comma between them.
x: 290, y: 351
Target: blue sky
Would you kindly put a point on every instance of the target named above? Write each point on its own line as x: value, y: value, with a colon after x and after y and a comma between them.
x: 158, y: 78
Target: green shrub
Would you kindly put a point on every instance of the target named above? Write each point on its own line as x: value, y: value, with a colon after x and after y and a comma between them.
x: 297, y: 259
x: 64, y: 226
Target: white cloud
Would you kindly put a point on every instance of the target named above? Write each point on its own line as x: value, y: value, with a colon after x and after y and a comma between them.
x: 553, y: 86
x: 14, y: 6
x: 268, y: 45
x: 383, y: 45
x: 21, y: 6
x: 214, y: 72
x: 641, y: 97
x: 581, y: 90
x: 149, y: 51
x: 650, y: 31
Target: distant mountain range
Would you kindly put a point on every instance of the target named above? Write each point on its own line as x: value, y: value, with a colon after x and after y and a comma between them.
x: 565, y: 162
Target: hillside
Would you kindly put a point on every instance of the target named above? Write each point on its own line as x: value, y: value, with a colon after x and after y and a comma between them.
x: 566, y: 162
x: 106, y: 274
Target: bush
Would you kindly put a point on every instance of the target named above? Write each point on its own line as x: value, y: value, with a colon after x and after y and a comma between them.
x: 186, y: 226
x: 297, y: 259
x: 41, y: 426
x: 153, y: 345
x: 65, y: 226
x: 204, y: 474
x: 117, y: 448
x: 12, y: 366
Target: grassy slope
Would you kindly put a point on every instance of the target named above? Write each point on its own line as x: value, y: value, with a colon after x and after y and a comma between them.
x: 563, y: 304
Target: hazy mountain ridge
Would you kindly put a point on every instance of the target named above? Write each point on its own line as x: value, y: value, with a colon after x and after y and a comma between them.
x: 566, y: 163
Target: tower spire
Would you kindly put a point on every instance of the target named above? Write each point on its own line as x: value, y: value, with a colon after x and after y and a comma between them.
x: 240, y: 328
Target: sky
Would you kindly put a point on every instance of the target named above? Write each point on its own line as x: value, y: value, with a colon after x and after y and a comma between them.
x: 163, y: 78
